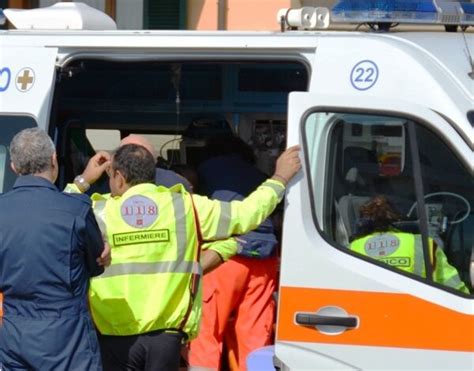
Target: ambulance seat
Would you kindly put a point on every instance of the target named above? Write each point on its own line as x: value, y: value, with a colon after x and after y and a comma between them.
x: 347, y: 214
x: 363, y: 181
x: 360, y: 169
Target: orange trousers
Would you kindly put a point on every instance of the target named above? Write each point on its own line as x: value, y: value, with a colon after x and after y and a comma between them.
x: 238, y: 309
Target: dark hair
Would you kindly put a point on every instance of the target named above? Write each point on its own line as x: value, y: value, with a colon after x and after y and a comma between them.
x: 376, y: 215
x: 135, y: 163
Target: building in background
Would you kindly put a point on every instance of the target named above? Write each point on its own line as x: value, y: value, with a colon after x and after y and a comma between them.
x: 232, y: 15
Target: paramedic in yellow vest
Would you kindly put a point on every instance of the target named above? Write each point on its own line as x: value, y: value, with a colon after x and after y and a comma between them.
x: 149, y: 300
x: 213, y: 253
x: 378, y: 240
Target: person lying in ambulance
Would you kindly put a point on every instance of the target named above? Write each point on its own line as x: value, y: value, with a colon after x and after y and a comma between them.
x: 376, y: 238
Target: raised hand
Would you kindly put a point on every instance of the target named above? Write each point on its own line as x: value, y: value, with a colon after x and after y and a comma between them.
x: 288, y: 164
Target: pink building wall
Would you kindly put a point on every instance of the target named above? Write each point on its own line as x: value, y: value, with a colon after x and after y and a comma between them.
x: 202, y: 15
x: 254, y: 14
x: 241, y: 14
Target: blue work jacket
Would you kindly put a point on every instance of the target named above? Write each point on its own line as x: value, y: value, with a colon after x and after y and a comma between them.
x: 49, y: 242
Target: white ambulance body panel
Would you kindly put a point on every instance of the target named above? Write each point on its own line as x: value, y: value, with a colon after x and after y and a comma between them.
x: 418, y: 76
x: 402, y: 322
x: 437, y: 58
x: 26, y: 81
x: 331, y: 278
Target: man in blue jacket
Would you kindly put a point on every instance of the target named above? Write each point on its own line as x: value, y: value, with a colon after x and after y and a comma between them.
x: 50, y: 246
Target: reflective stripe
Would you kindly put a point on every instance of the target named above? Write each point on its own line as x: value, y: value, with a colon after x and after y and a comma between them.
x: 180, y: 218
x: 419, y: 264
x: 177, y: 266
x: 71, y: 188
x: 454, y: 282
x: 99, y: 212
x: 151, y: 268
x: 224, y: 220
x: 279, y: 189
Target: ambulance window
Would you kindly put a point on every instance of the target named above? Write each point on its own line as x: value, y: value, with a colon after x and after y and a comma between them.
x: 3, y: 164
x: 143, y: 81
x: 9, y: 126
x: 167, y: 146
x: 103, y: 140
x: 470, y: 117
x: 365, y: 200
x: 272, y: 78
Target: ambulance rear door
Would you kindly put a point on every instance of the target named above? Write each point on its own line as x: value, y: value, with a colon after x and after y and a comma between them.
x: 27, y: 74
x: 342, y: 310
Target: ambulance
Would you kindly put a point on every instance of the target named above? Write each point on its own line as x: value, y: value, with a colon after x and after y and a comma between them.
x: 381, y: 101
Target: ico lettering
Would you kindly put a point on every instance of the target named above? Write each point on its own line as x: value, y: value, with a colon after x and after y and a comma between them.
x: 139, y: 210
x: 397, y: 261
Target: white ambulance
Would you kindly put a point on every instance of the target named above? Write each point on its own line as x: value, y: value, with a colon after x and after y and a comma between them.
x: 377, y: 112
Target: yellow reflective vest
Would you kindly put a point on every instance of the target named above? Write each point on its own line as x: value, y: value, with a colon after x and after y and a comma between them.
x: 405, y: 251
x: 153, y: 280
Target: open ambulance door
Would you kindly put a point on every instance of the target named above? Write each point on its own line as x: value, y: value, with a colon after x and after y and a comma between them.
x: 339, y: 309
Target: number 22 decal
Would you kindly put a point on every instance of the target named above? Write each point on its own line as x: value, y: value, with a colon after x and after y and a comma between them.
x: 364, y: 75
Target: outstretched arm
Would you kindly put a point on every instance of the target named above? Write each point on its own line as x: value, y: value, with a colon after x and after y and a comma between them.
x: 219, y: 219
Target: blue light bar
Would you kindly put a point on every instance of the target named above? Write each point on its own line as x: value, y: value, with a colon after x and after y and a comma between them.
x: 391, y: 5
x: 404, y: 11
x: 468, y: 9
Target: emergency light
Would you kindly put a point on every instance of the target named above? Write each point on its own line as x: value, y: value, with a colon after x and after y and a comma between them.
x: 307, y: 17
x: 441, y: 12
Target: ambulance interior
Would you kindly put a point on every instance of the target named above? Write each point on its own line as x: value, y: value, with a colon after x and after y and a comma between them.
x: 186, y: 101
x: 181, y: 104
x: 178, y: 105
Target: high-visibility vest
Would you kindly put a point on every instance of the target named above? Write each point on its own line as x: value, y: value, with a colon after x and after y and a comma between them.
x: 405, y: 251
x: 401, y: 250
x: 153, y: 281
x: 148, y: 286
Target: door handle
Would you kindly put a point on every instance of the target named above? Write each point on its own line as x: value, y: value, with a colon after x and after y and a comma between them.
x: 310, y: 319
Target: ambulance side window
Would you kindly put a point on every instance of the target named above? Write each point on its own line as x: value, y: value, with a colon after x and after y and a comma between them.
x: 9, y: 126
x: 361, y: 171
x: 470, y: 117
x: 3, y: 165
